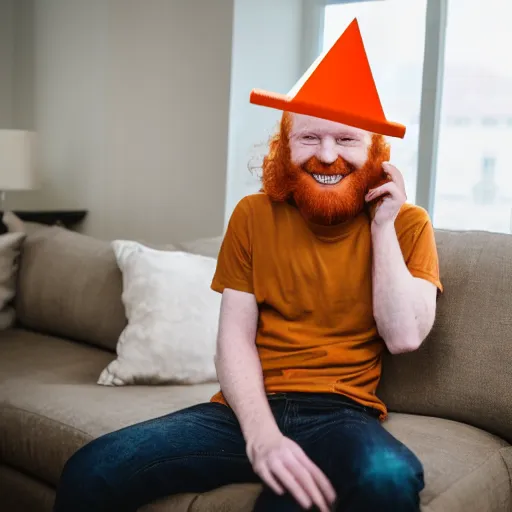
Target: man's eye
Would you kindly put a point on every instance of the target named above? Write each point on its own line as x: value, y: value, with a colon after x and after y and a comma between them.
x: 309, y: 139
x: 344, y: 139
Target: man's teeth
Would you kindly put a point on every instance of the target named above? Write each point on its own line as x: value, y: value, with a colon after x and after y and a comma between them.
x: 328, y: 179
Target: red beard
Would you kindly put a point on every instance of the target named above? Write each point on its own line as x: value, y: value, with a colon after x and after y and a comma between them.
x: 322, y: 204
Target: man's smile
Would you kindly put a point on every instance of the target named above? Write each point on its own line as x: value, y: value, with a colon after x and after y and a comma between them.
x: 327, y: 179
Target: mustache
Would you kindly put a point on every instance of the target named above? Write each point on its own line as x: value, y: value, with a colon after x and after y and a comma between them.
x: 339, y: 166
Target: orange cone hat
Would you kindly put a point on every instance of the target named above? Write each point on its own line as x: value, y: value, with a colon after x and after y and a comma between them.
x: 338, y: 86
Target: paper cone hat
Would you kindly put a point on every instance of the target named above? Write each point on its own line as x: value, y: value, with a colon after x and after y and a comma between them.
x: 338, y: 86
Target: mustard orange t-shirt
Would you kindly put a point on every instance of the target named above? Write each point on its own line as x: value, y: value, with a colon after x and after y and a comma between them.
x: 313, y: 285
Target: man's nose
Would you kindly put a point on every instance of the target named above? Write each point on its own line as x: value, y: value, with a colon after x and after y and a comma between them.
x: 327, y: 154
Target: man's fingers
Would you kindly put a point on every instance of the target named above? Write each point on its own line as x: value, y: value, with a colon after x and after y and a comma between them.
x: 304, y: 476
x: 284, y: 476
x: 394, y: 174
x: 319, y: 476
x: 387, y: 188
x: 392, y: 171
x: 269, y: 479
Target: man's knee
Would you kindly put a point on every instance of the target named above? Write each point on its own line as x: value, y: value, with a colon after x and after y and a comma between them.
x: 390, y: 476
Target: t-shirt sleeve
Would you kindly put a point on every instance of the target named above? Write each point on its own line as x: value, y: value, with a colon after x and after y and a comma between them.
x: 420, y: 249
x: 234, y: 262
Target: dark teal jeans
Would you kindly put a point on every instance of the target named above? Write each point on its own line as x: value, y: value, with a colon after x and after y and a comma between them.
x: 201, y: 448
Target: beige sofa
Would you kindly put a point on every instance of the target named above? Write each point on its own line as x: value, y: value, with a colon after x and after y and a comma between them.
x: 451, y: 401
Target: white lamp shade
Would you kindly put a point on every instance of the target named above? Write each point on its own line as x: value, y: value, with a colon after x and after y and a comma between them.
x: 17, y: 160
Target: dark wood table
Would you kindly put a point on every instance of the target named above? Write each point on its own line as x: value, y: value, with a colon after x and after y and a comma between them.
x: 66, y: 218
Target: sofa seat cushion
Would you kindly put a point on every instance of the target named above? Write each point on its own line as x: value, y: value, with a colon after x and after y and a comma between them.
x: 20, y: 492
x: 50, y: 405
x: 466, y: 469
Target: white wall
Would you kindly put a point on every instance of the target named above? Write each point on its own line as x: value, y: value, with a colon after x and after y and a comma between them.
x: 142, y: 108
x: 6, y: 62
x: 23, y: 71
x: 169, y: 106
x: 131, y: 110
x: 69, y: 90
x: 267, y: 54
x: 17, y: 74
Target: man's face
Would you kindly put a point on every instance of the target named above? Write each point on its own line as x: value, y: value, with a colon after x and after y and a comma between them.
x: 322, y: 141
x: 326, y: 167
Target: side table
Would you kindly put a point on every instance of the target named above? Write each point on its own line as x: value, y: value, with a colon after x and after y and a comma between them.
x: 66, y: 218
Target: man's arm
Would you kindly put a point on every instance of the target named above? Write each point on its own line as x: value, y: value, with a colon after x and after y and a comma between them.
x: 238, y: 364
x: 279, y: 461
x: 404, y: 306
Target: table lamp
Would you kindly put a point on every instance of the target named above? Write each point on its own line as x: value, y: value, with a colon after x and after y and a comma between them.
x: 16, y: 162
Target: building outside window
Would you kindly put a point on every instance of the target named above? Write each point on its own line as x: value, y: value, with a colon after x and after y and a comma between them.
x: 472, y: 184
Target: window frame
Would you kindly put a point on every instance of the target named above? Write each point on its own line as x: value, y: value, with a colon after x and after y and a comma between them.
x: 431, y: 90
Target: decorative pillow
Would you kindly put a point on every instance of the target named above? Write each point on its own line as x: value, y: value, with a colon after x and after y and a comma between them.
x: 172, y: 315
x: 10, y: 246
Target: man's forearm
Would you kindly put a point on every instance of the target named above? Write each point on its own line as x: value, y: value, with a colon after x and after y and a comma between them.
x: 396, y: 301
x: 241, y: 380
x: 239, y: 371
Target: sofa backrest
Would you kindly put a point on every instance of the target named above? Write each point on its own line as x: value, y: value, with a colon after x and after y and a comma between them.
x: 69, y: 285
x: 463, y: 371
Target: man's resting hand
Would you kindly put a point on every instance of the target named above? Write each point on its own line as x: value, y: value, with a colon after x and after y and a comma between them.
x: 283, y: 466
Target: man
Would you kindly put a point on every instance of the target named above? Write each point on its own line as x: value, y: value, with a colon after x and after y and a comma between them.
x: 320, y: 273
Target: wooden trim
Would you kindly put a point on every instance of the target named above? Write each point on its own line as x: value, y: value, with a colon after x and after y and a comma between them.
x: 431, y: 96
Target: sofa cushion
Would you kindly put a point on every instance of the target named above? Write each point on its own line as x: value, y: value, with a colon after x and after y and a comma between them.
x: 70, y: 285
x: 21, y: 493
x: 203, y: 246
x: 231, y: 498
x: 173, y: 318
x: 10, y: 246
x: 462, y: 371
x: 50, y: 406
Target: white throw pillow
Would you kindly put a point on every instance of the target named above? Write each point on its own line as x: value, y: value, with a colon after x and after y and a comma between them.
x: 172, y: 315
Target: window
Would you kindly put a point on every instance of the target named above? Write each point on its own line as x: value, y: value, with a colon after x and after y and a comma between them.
x: 474, y: 169
x: 398, y: 79
x: 471, y: 181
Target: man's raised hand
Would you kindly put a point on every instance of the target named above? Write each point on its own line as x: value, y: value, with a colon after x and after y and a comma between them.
x: 390, y: 196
